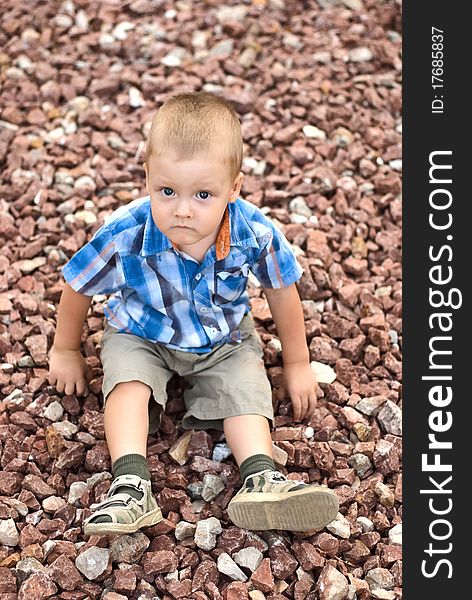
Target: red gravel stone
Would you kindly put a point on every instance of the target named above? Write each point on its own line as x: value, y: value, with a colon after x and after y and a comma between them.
x: 262, y: 578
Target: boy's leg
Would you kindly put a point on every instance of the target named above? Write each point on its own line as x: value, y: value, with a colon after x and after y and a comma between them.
x: 267, y: 499
x: 250, y: 441
x: 126, y: 419
x: 248, y: 435
x: 126, y: 432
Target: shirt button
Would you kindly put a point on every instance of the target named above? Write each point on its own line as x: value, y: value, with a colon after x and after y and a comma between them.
x: 198, y: 276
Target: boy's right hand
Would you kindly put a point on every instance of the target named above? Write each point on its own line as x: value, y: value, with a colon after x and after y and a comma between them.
x: 68, y: 371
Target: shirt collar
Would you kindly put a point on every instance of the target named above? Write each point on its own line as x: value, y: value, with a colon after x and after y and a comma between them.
x: 234, y: 231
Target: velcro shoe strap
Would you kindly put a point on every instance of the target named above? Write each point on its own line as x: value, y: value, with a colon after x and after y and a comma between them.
x: 127, y: 480
x: 115, y: 500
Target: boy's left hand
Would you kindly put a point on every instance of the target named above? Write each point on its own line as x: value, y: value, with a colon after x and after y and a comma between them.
x: 301, y: 385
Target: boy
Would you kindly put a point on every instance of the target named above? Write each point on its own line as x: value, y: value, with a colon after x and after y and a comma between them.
x: 177, y: 262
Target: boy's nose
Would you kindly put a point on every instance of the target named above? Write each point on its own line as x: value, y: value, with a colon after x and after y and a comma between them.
x: 183, y: 210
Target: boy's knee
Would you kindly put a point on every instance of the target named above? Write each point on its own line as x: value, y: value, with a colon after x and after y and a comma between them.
x: 135, y: 389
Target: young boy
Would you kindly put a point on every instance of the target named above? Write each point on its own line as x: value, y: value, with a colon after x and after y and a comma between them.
x: 177, y: 263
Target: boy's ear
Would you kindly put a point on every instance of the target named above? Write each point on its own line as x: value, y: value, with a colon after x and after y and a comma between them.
x: 147, y: 176
x: 236, y: 187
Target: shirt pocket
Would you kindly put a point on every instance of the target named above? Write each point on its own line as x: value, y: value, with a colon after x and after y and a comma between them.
x: 230, y: 283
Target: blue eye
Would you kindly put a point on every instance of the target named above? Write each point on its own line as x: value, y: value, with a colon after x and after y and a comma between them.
x: 205, y: 193
x: 163, y: 190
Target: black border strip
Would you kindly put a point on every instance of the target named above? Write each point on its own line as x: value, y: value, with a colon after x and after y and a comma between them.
x: 436, y: 568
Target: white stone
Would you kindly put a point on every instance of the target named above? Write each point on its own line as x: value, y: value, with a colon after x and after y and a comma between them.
x: 249, y: 557
x: 63, y: 21
x: 97, y: 478
x: 93, y: 562
x: 383, y: 595
x: 361, y: 54
x: 136, y: 99
x: 174, y: 57
x: 53, y: 503
x: 206, y: 532
x: 79, y: 104
x: 353, y: 4
x: 340, y: 526
x: 297, y: 218
x: 212, y: 486
x: 55, y: 135
x: 322, y: 57
x: 323, y: 373
x: 227, y: 566
x: 390, y: 418
x: 276, y: 344
x: 85, y: 181
x: 29, y: 35
x: 106, y: 40
x: 396, y: 164
x: 9, y: 535
x: 81, y: 20
x: 280, y: 456
x: 231, y: 13
x: 314, y: 133
x: 199, y: 39
x: 65, y: 428
x: 221, y: 452
x: 309, y: 433
x: 366, y: 524
x: 299, y: 205
x: 15, y: 73
x: 120, y: 31
x: 184, y: 530
x: 256, y: 595
x: 395, y: 535
x: 24, y: 63
x: 290, y: 40
x: 87, y: 216
x: 222, y: 48
x: 68, y: 7
x: 77, y: 488
x: 54, y: 411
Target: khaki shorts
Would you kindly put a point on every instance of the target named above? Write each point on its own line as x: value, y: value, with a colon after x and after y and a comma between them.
x: 229, y: 380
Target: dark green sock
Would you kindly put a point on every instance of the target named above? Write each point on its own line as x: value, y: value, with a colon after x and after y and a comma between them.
x: 129, y: 464
x: 256, y: 463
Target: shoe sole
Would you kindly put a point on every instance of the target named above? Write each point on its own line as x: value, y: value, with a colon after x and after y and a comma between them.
x: 301, y: 510
x: 150, y: 518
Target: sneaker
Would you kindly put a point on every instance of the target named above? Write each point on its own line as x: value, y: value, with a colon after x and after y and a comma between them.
x: 127, y: 514
x: 268, y: 500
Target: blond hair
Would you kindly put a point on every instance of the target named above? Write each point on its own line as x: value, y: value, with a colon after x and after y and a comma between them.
x: 197, y: 122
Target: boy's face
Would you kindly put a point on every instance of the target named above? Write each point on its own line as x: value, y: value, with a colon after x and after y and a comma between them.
x: 189, y: 197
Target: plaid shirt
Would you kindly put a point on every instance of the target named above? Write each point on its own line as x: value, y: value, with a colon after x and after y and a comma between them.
x: 162, y: 294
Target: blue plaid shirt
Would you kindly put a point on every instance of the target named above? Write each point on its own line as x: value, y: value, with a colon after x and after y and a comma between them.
x: 162, y: 294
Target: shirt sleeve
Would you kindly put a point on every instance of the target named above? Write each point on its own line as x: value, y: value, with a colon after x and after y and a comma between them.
x: 277, y: 265
x: 96, y: 267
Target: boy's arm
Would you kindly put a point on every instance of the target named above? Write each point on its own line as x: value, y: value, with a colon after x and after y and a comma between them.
x: 300, y: 380
x: 73, y: 309
x: 287, y: 312
x: 67, y: 366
